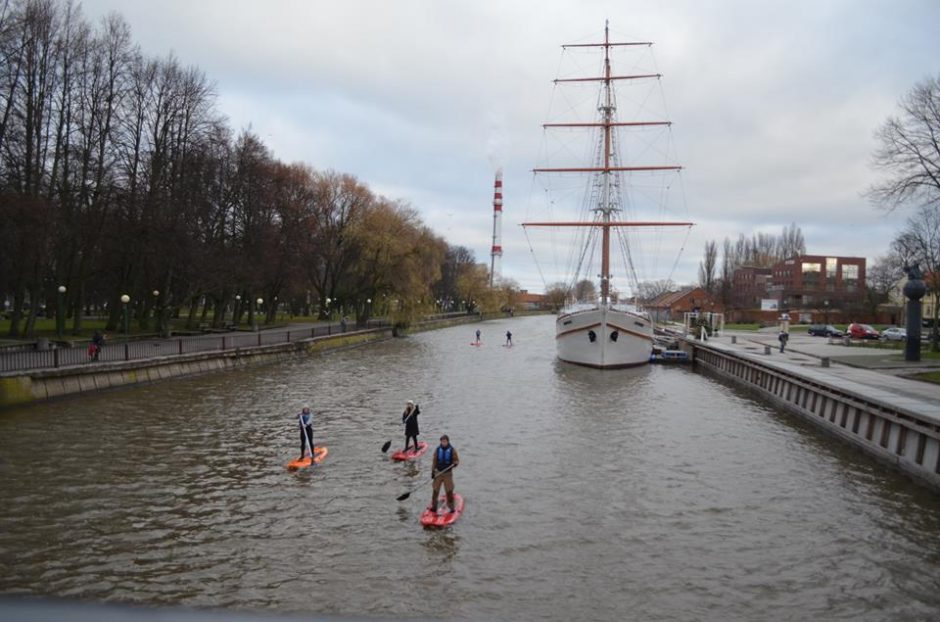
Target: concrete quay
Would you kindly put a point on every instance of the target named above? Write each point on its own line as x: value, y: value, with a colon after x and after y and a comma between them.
x: 860, y: 395
x: 44, y: 384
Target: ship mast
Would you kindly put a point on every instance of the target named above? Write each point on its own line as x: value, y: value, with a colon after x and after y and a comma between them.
x: 608, y: 121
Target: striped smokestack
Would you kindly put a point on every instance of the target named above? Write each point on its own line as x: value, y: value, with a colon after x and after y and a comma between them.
x: 497, y: 250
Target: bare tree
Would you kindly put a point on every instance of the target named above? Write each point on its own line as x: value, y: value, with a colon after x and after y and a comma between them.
x: 909, y: 150
x: 919, y: 243
x: 791, y: 243
x: 708, y: 266
x: 585, y: 291
x: 727, y: 272
x: 651, y: 289
x: 883, y: 275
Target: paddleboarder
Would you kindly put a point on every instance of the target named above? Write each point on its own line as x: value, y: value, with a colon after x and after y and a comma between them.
x: 442, y: 470
x: 305, y: 419
x: 478, y: 336
x: 410, y: 419
x: 508, y: 338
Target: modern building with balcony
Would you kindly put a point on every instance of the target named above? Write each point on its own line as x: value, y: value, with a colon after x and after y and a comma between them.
x: 817, y: 285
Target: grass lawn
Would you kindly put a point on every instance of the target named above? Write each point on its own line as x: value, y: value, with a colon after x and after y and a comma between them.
x: 933, y: 376
x: 753, y: 327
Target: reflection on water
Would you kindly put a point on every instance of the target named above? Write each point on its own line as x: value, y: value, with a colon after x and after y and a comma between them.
x: 653, y: 492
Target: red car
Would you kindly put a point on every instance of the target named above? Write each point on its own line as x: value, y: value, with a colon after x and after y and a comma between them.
x: 861, y: 331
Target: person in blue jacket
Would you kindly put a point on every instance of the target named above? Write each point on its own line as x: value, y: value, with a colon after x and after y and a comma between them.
x: 442, y: 470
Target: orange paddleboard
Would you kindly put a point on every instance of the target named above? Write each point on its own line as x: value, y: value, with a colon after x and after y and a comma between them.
x: 319, y: 454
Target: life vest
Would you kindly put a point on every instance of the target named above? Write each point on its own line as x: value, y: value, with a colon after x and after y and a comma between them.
x: 444, y: 457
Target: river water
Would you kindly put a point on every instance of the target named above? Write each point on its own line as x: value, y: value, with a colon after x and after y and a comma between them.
x: 654, y: 493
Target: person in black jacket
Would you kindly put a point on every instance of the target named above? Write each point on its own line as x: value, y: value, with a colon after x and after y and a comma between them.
x: 410, y: 419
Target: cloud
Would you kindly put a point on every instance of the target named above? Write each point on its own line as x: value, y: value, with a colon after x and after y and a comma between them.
x: 774, y: 104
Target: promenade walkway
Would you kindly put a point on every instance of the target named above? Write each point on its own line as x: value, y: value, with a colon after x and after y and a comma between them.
x: 875, y: 373
x: 28, y: 356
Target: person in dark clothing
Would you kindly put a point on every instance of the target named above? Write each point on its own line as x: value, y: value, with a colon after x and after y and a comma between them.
x: 305, y: 418
x: 783, y: 338
x: 442, y: 470
x: 97, y: 342
x: 508, y: 338
x: 410, y: 420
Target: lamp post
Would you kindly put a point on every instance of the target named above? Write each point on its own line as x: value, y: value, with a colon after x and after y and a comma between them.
x: 259, y: 302
x: 60, y: 312
x: 826, y: 311
x: 238, y: 304
x: 124, y: 300
x: 156, y: 309
x: 329, y: 314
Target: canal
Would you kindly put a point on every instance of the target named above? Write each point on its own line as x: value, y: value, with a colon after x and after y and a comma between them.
x: 651, y: 493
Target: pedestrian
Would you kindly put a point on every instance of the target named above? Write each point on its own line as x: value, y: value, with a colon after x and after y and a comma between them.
x: 478, y: 335
x: 508, y: 338
x: 410, y: 420
x: 442, y: 470
x: 97, y: 342
x: 305, y: 419
x: 783, y: 337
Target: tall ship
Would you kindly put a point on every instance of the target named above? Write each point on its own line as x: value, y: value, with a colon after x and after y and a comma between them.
x: 619, y: 197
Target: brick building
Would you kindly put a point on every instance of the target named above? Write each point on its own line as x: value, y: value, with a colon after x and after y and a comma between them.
x: 672, y: 306
x: 749, y: 286
x: 817, y: 281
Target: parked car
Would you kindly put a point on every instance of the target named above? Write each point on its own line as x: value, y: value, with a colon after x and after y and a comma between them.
x: 861, y: 331
x: 894, y: 334
x: 824, y: 330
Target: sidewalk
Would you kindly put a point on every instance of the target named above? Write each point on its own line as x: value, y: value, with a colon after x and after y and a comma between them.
x: 869, y: 372
x: 117, y: 349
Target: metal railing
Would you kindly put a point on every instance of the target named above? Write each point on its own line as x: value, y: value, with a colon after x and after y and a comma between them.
x: 57, y: 356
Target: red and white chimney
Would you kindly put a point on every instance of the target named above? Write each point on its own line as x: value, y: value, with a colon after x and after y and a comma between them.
x: 497, y: 251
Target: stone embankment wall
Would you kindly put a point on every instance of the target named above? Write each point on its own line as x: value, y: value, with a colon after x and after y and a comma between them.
x: 38, y: 385
x: 892, y: 433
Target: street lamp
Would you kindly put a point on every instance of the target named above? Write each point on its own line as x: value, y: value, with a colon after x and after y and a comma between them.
x: 238, y: 306
x: 60, y: 312
x: 259, y: 302
x: 124, y: 300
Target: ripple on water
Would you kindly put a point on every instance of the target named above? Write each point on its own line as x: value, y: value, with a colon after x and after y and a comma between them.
x: 653, y: 493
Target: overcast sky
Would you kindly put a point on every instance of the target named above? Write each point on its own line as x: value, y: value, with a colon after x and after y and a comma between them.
x: 774, y: 103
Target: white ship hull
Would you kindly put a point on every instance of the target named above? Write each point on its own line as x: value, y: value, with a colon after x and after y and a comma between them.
x: 620, y: 338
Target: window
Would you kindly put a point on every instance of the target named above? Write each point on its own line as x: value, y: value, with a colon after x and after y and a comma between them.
x: 811, y: 274
x: 850, y: 277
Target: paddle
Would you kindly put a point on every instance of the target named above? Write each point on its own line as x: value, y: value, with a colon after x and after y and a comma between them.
x: 423, y: 483
x: 307, y: 441
x: 388, y: 444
